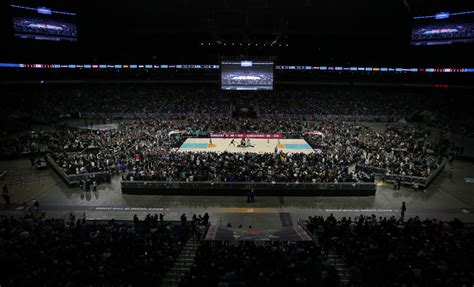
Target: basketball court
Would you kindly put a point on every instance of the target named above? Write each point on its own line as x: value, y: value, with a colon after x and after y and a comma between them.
x: 255, y: 146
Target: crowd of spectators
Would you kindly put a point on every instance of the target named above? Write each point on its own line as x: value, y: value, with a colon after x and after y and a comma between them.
x: 444, y: 109
x: 393, y: 252
x: 144, y: 150
x: 37, y: 250
x: 377, y: 251
x: 399, y: 150
x: 245, y: 167
x: 406, y: 152
x: 286, y: 126
x: 252, y: 264
x: 337, y: 101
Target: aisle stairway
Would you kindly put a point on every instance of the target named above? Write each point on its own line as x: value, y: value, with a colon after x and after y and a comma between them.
x: 342, y: 270
x: 182, y: 264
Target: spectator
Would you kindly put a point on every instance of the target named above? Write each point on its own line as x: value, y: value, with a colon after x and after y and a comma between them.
x: 35, y: 205
x: 403, y: 210
x: 6, y: 198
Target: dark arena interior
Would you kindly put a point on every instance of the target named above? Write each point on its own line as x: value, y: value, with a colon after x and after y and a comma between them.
x: 237, y: 143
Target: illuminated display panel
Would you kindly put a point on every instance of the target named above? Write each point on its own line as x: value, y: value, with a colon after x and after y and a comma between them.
x: 443, y: 28
x: 247, y: 75
x: 44, y: 20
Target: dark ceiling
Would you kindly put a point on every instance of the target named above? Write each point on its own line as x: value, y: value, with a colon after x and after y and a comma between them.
x: 190, y: 31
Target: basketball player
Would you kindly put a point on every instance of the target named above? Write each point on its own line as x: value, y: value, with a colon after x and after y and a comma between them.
x: 249, y: 143
x: 232, y: 142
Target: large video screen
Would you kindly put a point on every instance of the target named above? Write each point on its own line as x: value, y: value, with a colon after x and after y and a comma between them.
x: 443, y: 28
x: 247, y: 75
x: 44, y: 20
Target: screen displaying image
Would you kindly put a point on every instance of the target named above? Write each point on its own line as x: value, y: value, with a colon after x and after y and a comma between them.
x: 443, y: 28
x: 247, y: 75
x: 42, y: 20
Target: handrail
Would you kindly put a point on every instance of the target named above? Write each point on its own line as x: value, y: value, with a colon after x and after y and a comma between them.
x: 220, y: 184
x: 73, y: 179
x: 58, y: 170
x: 240, y: 188
x: 303, y: 223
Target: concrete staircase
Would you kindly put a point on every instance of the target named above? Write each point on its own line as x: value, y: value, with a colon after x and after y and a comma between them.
x: 183, y: 264
x: 336, y: 261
